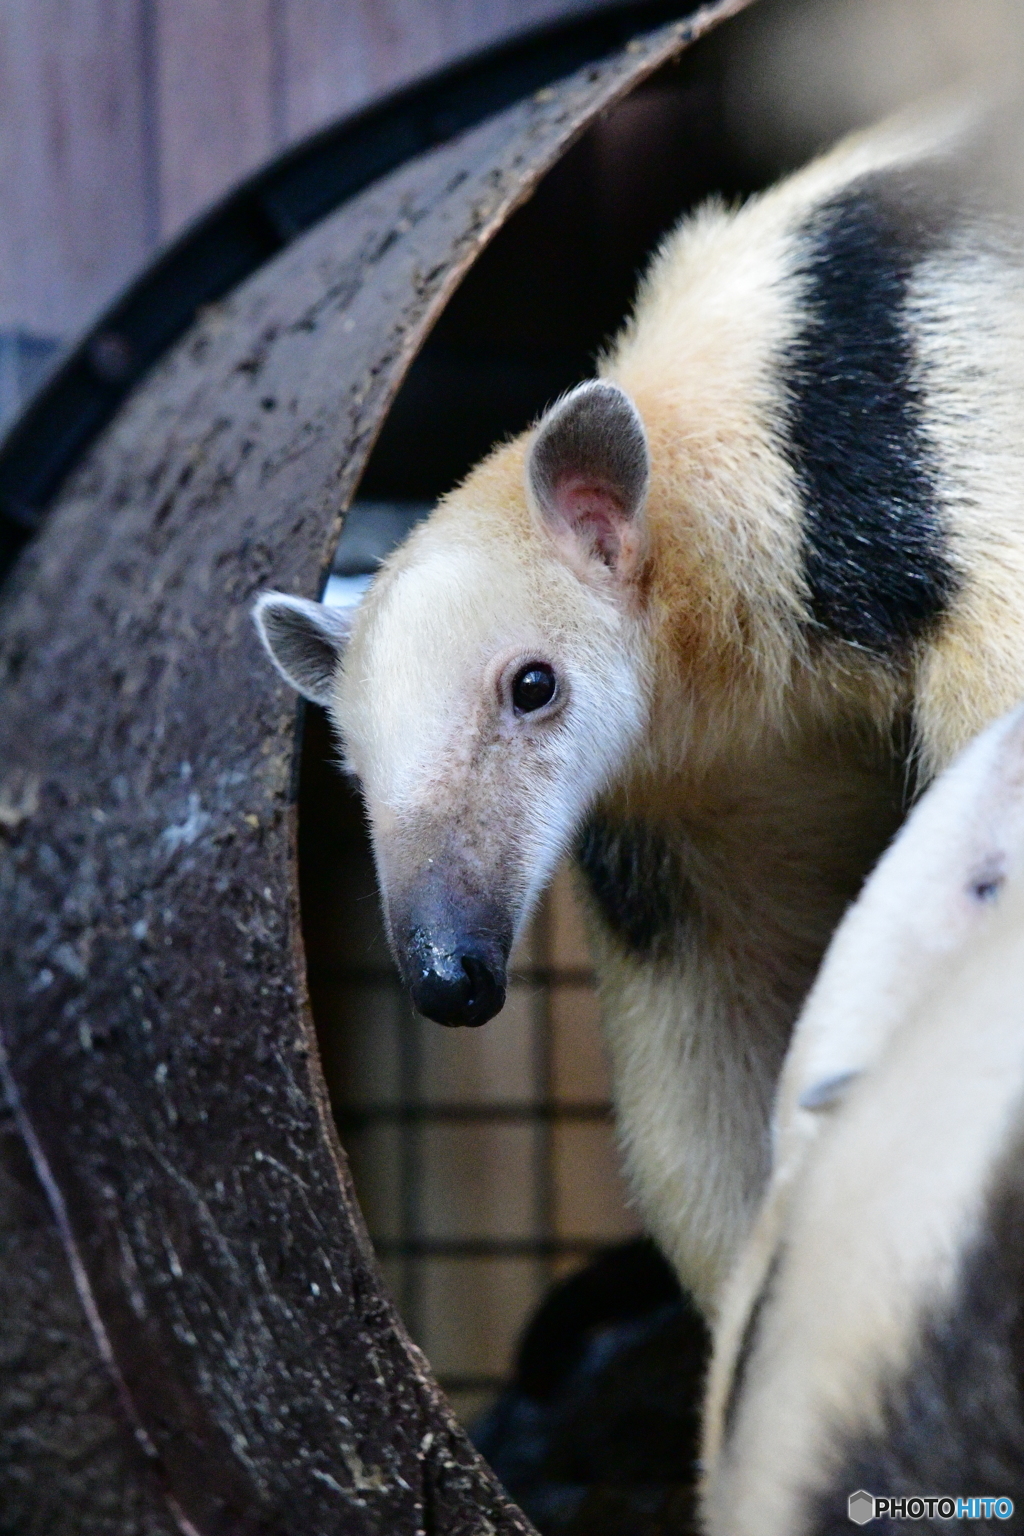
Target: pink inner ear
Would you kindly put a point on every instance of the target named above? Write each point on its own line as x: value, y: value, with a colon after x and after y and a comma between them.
x: 594, y: 513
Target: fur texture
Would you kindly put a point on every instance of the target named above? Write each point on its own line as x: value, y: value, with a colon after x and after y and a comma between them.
x: 775, y: 561
x: 872, y: 1333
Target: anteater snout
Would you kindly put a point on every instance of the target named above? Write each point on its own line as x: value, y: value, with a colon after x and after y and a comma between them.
x: 456, y: 980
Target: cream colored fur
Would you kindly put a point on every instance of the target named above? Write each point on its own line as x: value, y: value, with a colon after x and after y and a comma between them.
x: 917, y: 1022
x: 776, y: 850
x: 691, y: 694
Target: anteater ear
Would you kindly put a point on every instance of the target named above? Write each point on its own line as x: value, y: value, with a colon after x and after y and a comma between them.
x: 304, y: 640
x: 586, y: 474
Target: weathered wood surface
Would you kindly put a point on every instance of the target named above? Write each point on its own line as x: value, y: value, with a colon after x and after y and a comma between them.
x: 157, y: 1043
x: 75, y: 178
x: 121, y: 120
x: 218, y: 88
x: 66, y: 1464
x: 334, y: 57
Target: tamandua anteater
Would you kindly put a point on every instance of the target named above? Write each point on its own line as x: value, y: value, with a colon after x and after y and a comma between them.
x: 871, y: 1334
x: 703, y: 627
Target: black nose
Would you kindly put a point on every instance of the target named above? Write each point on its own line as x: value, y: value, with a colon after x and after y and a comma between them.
x: 461, y: 985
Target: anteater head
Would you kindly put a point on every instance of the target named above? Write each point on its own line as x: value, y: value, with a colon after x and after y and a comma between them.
x: 490, y: 686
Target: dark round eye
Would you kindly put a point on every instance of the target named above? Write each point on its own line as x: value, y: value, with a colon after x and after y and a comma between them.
x: 534, y: 687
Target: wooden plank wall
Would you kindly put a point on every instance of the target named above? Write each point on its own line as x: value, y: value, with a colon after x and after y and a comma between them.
x: 120, y: 120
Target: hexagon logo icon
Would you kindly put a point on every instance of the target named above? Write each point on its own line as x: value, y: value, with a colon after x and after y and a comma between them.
x: 861, y: 1507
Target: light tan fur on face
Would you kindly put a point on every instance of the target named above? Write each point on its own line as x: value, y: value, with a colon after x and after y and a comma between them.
x: 902, y: 1089
x: 473, y: 594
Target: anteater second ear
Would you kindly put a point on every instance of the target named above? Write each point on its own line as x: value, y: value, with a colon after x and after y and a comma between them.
x: 305, y: 641
x: 587, y: 473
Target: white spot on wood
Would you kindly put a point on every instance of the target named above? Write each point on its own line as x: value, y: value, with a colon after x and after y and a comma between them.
x: 70, y: 961
x: 332, y: 1483
x: 184, y: 833
x: 17, y: 804
x: 364, y: 1479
